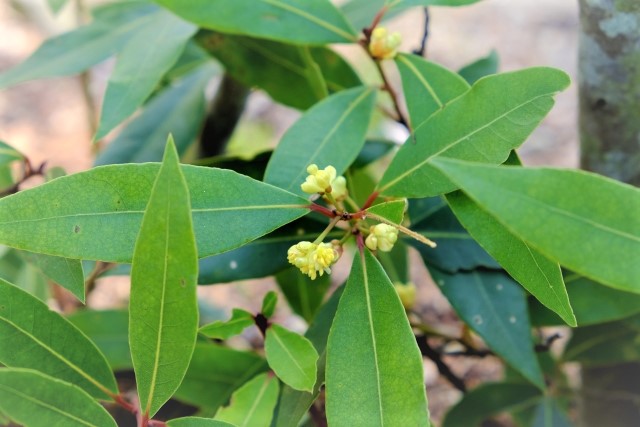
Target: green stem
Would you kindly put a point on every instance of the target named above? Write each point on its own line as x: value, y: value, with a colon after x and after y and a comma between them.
x: 326, y: 231
x: 405, y: 230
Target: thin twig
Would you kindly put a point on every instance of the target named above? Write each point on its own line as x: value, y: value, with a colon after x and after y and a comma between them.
x: 392, y: 93
x: 29, y: 172
x: 443, y: 368
x: 425, y: 35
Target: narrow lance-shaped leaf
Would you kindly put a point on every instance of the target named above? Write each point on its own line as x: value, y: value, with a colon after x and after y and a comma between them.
x: 8, y: 154
x: 480, y: 68
x: 37, y: 400
x: 240, y: 320
x: 163, y: 309
x: 269, y: 304
x: 540, y: 276
x: 102, y: 219
x: 494, y: 307
x: 331, y: 133
x: 373, y: 362
x: 141, y: 65
x: 298, y: 76
x: 32, y: 336
x: 292, y: 357
x: 197, y: 422
x: 427, y: 86
x: 495, y: 116
x: 392, y: 211
x: 586, y: 222
x: 252, y: 404
x: 293, y: 21
x: 64, y: 271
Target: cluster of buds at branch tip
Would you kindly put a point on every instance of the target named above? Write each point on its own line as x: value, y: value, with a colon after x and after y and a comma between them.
x: 381, y: 237
x: 324, y: 182
x: 313, y: 259
x: 384, y: 45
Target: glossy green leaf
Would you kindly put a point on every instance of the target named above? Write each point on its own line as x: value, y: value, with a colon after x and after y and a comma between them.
x: 393, y: 211
x: 373, y: 362
x: 373, y: 150
x: 75, y: 51
x: 141, y: 65
x: 108, y: 331
x: 252, y: 404
x: 480, y: 68
x: 298, y: 76
x: 331, y: 133
x: 240, y: 320
x: 585, y: 222
x: 495, y: 116
x: 269, y: 304
x: 103, y: 217
x: 8, y: 154
x: 540, y: 276
x: 456, y: 249
x: 32, y: 336
x: 427, y: 86
x: 292, y: 357
x: 30, y: 279
x: 592, y: 303
x: 293, y: 21
x: 64, y: 271
x: 37, y: 400
x: 303, y: 294
x: 214, y: 374
x: 549, y: 414
x: 178, y: 110
x: 197, y: 422
x: 294, y: 404
x: 494, y: 307
x: 605, y: 344
x: 163, y: 309
x: 490, y: 399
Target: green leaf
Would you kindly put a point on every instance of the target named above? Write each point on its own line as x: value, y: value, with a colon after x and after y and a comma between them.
x: 480, y: 68
x: 374, y: 368
x: 456, y: 249
x: 330, y: 133
x: 294, y: 404
x: 303, y: 294
x: 404, y: 4
x: 373, y: 150
x: 214, y: 374
x: 32, y: 336
x: 494, y: 307
x: 427, y: 86
x: 103, y: 217
x: 269, y: 304
x: 292, y: 357
x: 33, y: 399
x: 108, y: 331
x: 540, y: 276
x: 240, y: 320
x: 197, y: 422
x: 252, y: 404
x: 178, y: 110
x: 392, y: 211
x: 605, y: 344
x: 298, y: 76
x: 8, y: 154
x: 163, y: 309
x: 592, y: 303
x: 549, y: 414
x: 293, y: 21
x: 141, y: 65
x: 76, y: 51
x: 490, y: 399
x: 584, y: 221
x: 64, y: 271
x: 495, y: 116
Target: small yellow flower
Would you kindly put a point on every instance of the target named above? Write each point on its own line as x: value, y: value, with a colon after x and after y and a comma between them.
x: 384, y: 45
x: 381, y: 237
x: 319, y: 180
x: 339, y: 188
x: 407, y: 294
x: 312, y: 258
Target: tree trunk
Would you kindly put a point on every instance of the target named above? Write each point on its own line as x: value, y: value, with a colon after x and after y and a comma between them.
x: 609, y: 67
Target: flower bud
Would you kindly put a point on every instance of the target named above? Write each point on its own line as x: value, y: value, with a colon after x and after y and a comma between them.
x: 382, y: 237
x: 319, y: 180
x: 407, y: 294
x: 384, y: 45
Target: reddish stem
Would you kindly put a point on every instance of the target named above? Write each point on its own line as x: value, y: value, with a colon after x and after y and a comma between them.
x: 321, y: 209
x: 122, y: 402
x: 370, y: 200
x: 374, y: 23
x: 360, y: 242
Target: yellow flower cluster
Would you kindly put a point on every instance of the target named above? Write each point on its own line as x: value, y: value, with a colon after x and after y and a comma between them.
x: 325, y: 181
x: 313, y: 258
x: 384, y: 45
x: 381, y: 237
